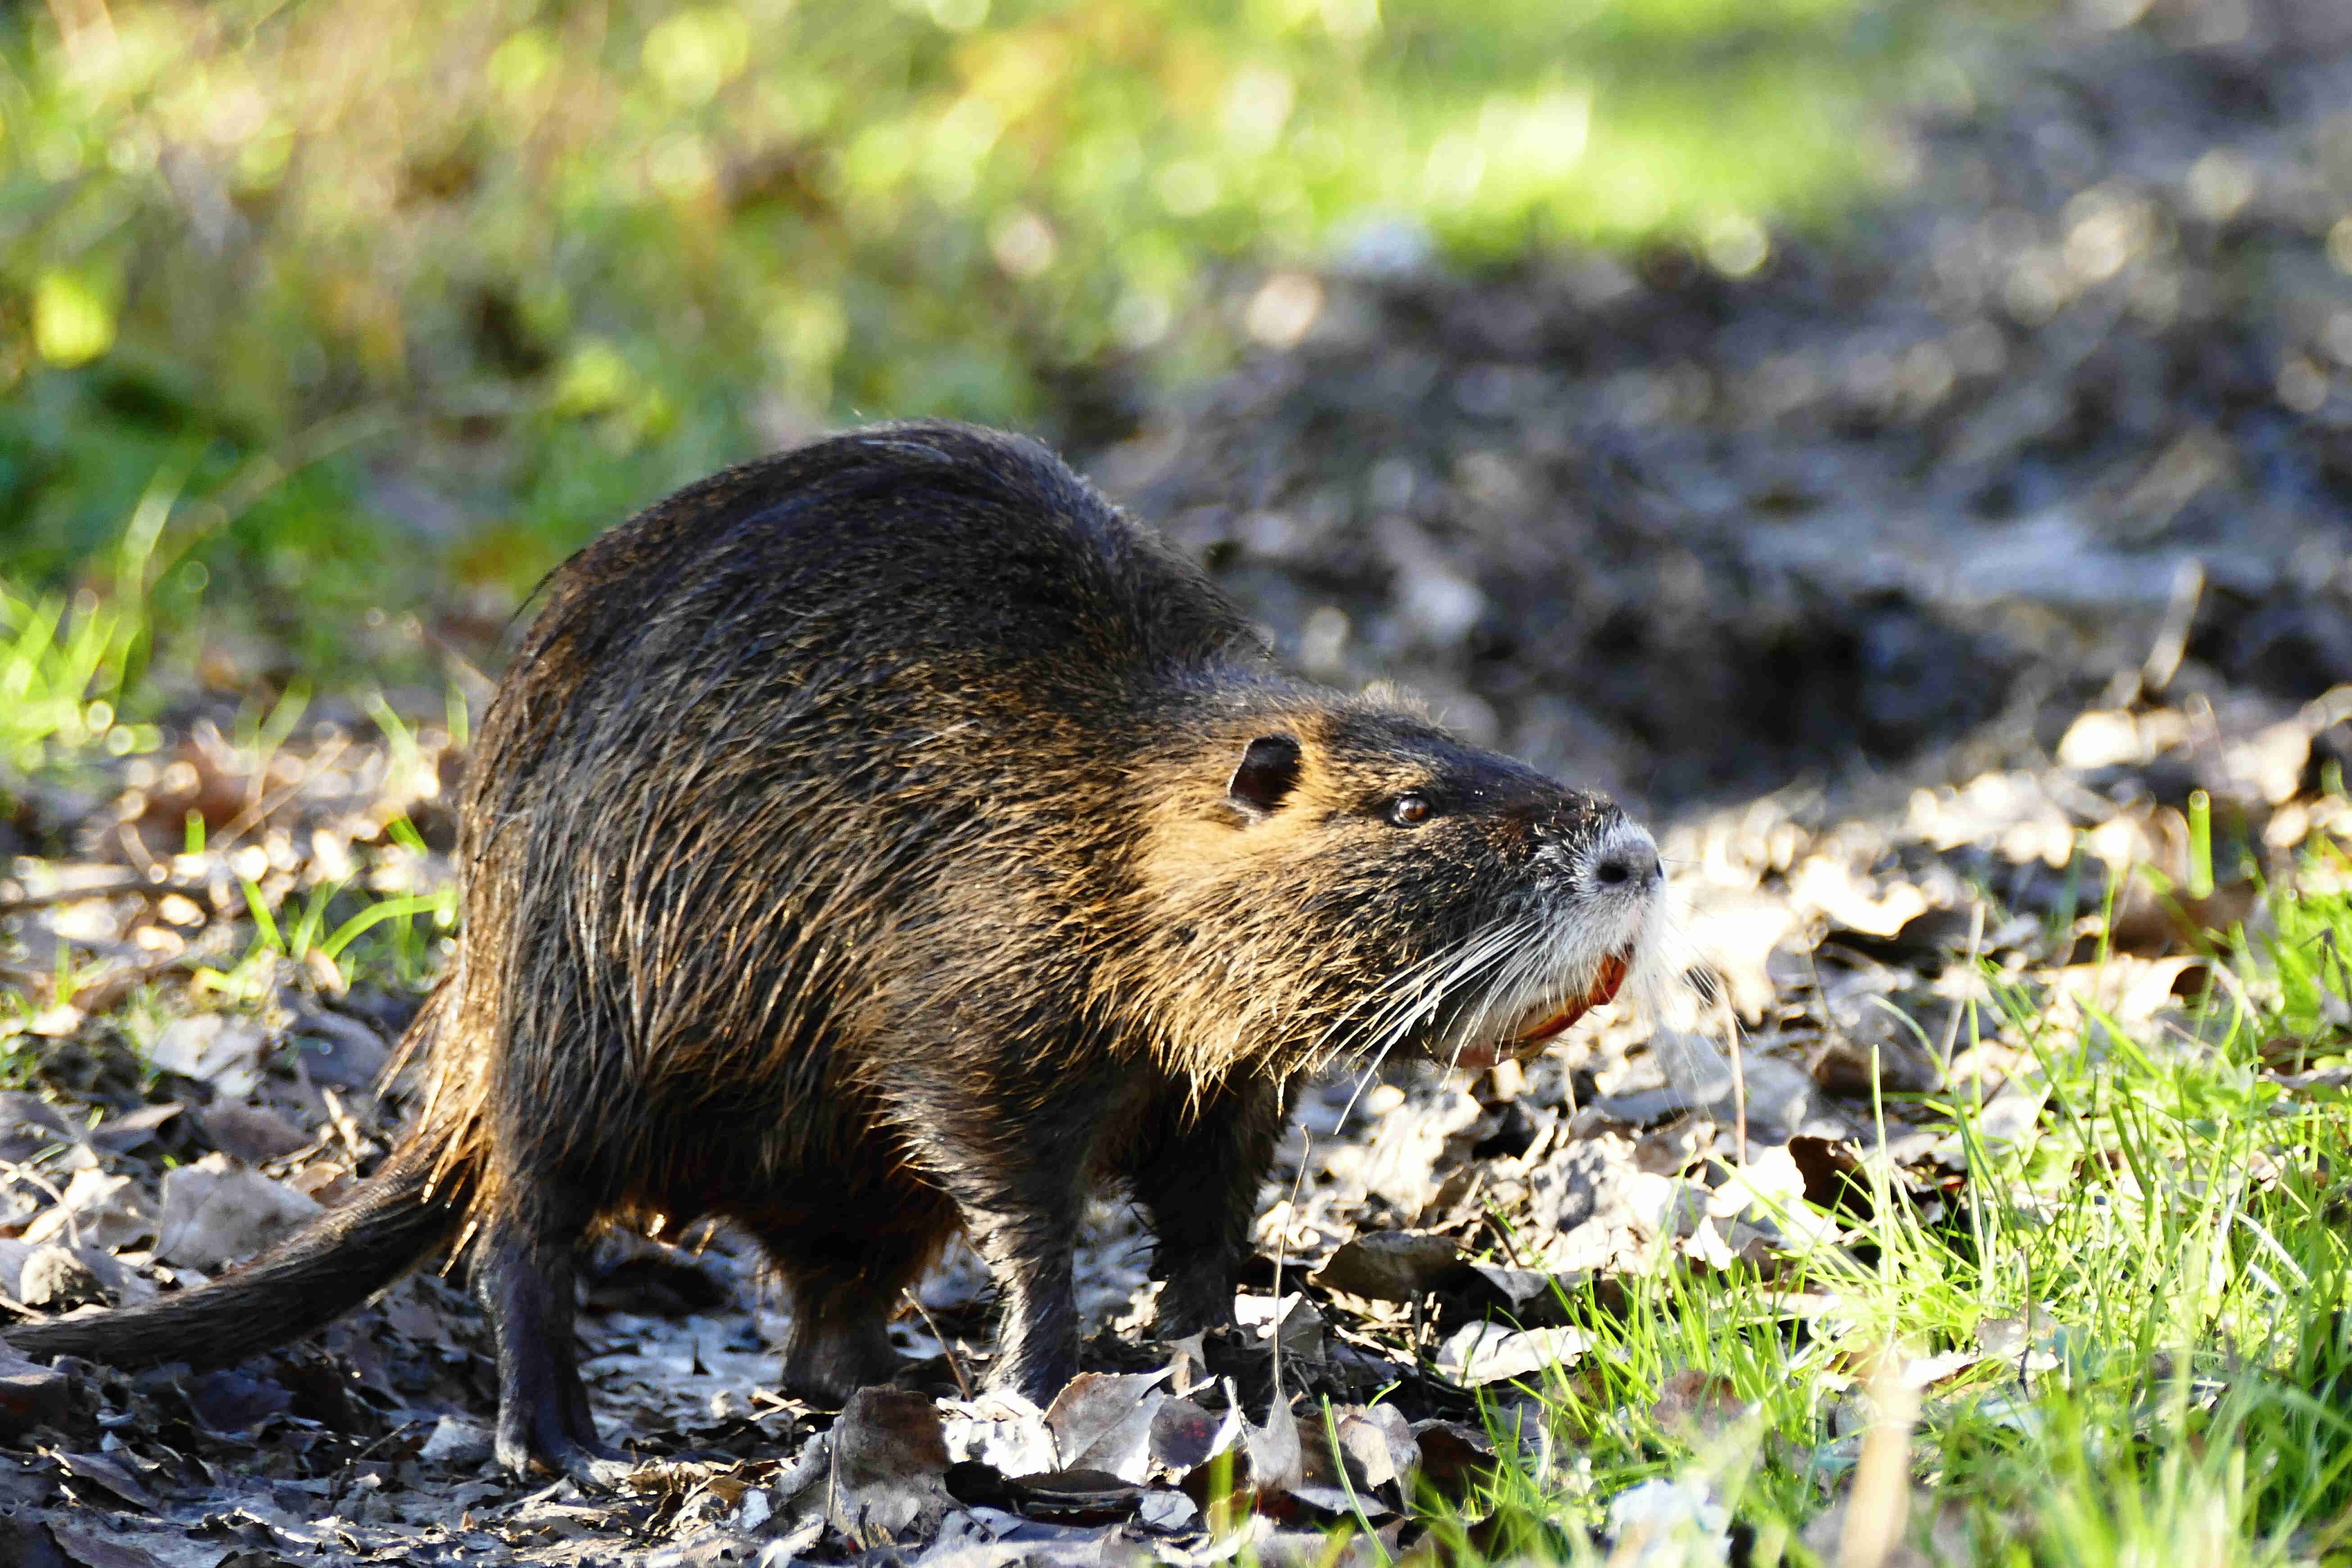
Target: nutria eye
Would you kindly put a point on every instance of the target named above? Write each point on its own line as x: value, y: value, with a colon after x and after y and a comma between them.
x: 1411, y: 810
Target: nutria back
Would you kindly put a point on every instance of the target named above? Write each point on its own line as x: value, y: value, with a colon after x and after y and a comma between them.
x: 800, y: 714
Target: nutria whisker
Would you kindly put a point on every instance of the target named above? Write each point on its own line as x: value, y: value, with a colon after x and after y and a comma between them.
x: 1415, y: 996
x: 1469, y: 960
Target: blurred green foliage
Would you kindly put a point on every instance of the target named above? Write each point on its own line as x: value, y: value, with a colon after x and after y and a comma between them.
x: 386, y: 294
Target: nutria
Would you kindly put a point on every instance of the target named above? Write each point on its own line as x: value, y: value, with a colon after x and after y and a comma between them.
x: 887, y: 838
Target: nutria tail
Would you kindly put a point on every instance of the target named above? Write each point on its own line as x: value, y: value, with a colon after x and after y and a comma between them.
x: 319, y: 1272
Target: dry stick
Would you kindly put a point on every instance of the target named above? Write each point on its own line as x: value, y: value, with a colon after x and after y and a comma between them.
x: 24, y: 902
x: 963, y: 1384
x: 1832, y: 1031
x: 1281, y: 1246
x: 26, y: 1174
x: 2172, y: 640
x: 261, y: 806
x: 345, y: 1126
x: 35, y: 981
x: 119, y: 888
x: 135, y: 847
x: 1880, y: 1499
x: 345, y: 1480
x: 1739, y: 1077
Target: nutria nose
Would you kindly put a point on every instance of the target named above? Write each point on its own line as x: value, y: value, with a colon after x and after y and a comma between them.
x: 1627, y: 858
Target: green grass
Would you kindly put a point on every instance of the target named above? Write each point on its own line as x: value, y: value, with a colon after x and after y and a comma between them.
x: 396, y: 300
x: 2181, y: 1230
x: 65, y: 666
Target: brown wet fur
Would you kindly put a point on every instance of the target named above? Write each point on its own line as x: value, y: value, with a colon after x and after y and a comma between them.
x: 854, y: 850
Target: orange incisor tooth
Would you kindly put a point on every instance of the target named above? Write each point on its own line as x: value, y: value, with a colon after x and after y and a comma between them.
x: 1604, y: 990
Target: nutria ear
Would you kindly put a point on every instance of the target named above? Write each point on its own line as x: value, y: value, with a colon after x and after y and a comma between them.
x: 1268, y: 772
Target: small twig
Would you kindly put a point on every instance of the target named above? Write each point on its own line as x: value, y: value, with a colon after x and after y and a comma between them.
x: 963, y: 1384
x: 346, y: 1128
x: 1496, y: 1222
x: 105, y: 983
x: 1738, y: 1103
x: 1880, y: 1501
x: 24, y: 902
x: 24, y: 1173
x: 121, y: 886
x: 149, y: 868
x: 2172, y: 640
x: 336, y: 1492
x: 1281, y: 1242
x: 244, y: 821
x: 1715, y: 994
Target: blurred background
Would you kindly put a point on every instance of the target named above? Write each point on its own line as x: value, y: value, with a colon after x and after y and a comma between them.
x: 1693, y: 395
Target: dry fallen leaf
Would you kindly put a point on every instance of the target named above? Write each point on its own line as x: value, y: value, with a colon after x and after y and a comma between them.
x: 889, y: 1467
x: 216, y: 1212
x: 1390, y: 1266
x: 1102, y: 1421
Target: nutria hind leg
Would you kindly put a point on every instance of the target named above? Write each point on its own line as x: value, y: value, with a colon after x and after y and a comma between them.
x: 524, y: 1276
x: 845, y: 1265
x: 1196, y: 1169
x: 839, y: 1340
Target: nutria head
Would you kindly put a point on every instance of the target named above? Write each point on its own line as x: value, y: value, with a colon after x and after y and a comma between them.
x: 1323, y: 877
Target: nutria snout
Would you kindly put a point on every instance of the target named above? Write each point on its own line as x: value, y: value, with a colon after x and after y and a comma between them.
x: 887, y: 839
